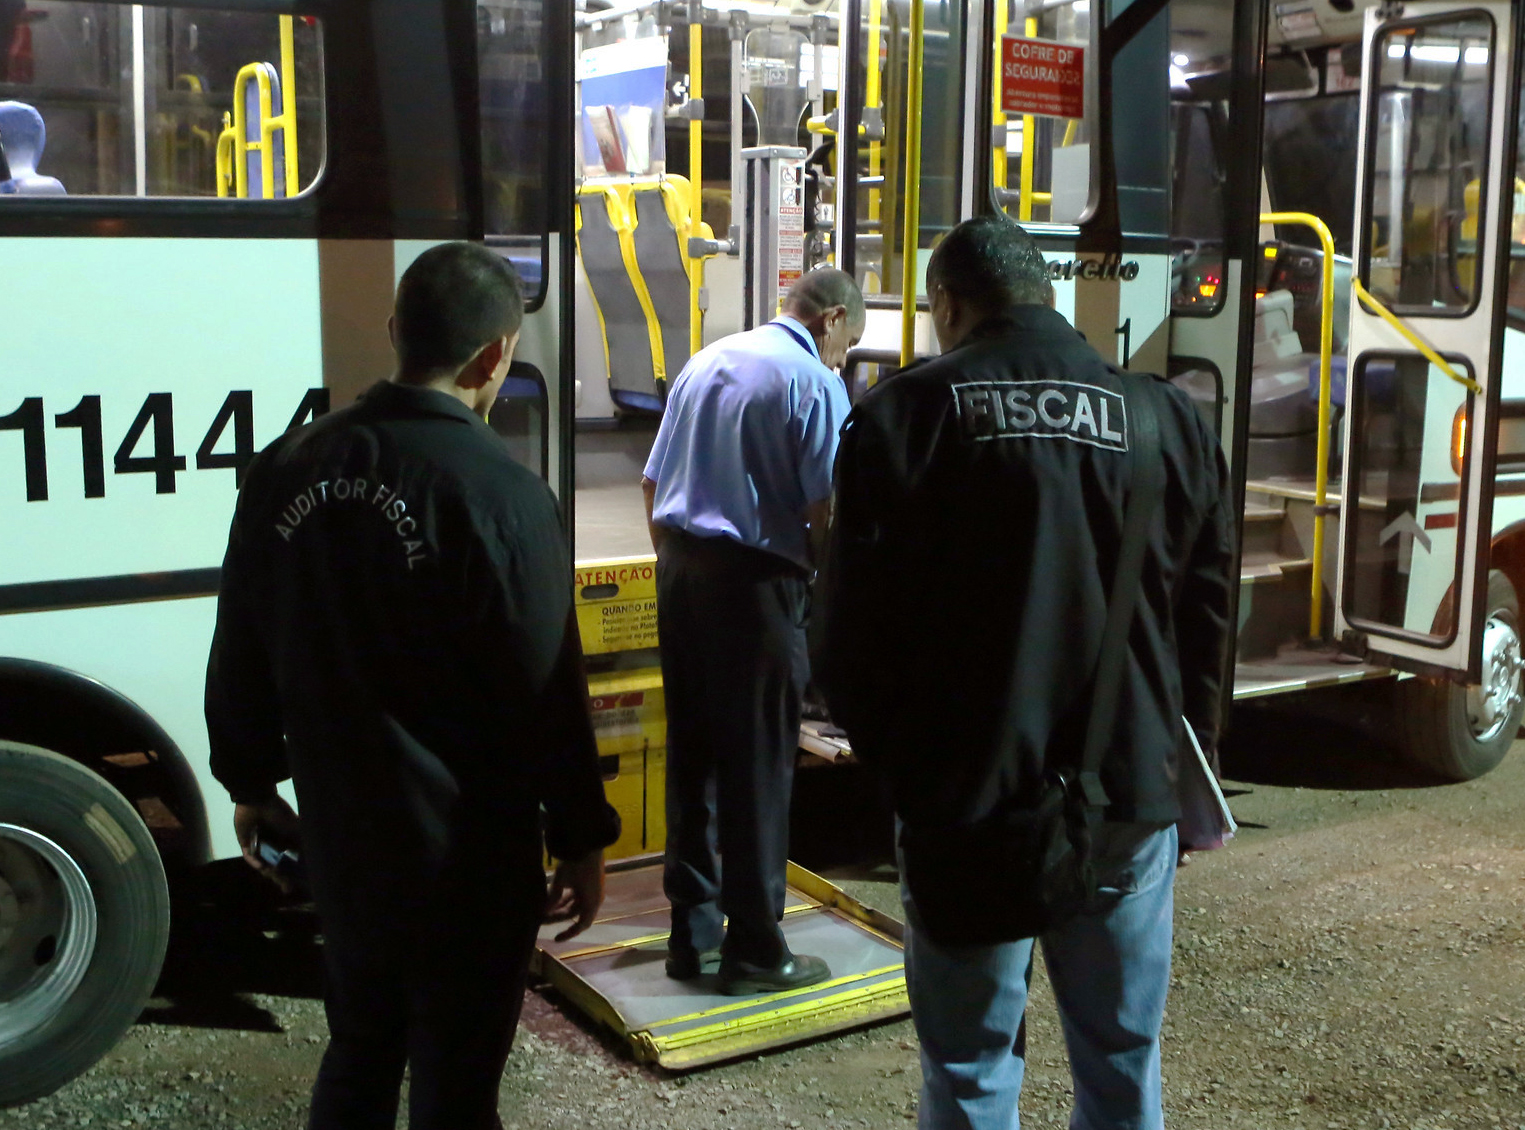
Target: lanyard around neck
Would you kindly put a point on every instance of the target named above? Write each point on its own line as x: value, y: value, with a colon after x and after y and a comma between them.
x: 804, y: 344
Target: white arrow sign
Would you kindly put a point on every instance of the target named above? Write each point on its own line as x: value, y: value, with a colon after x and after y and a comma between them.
x: 1407, y: 530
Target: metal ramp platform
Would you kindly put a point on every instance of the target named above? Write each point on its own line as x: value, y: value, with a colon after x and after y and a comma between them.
x: 1301, y: 669
x: 614, y: 972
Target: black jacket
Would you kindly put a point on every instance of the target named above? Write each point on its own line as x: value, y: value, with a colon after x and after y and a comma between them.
x: 395, y: 625
x: 977, y: 529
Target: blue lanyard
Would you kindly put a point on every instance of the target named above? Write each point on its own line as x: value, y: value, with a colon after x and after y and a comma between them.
x: 805, y: 345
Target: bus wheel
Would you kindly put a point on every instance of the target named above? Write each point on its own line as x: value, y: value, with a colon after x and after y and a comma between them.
x: 1462, y: 732
x: 84, y: 920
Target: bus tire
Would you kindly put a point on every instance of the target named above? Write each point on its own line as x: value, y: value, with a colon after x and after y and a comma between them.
x: 1461, y: 732
x: 84, y: 920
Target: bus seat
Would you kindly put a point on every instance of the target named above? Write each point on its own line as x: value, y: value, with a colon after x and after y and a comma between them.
x: 632, y: 336
x: 530, y: 270
x: 661, y: 250
x: 253, y: 133
x: 24, y: 136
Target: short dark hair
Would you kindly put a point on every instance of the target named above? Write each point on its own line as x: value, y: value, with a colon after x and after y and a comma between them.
x: 822, y: 289
x: 991, y: 262
x: 453, y: 300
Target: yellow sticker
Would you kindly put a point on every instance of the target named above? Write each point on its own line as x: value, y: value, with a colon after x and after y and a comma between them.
x: 617, y: 604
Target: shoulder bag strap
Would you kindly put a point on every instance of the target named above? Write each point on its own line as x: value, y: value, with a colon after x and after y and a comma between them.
x: 1147, y: 486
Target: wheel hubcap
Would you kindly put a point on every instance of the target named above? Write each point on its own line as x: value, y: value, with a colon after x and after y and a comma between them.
x: 1492, y: 703
x: 47, y: 930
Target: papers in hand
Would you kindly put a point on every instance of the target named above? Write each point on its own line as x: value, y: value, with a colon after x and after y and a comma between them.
x: 1206, y: 821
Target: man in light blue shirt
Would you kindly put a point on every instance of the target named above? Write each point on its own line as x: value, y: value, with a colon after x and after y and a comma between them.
x: 738, y: 492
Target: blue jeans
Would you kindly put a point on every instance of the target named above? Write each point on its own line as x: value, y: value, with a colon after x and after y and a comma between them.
x: 1110, y: 970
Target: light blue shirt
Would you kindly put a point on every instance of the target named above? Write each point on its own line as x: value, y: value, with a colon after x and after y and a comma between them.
x: 748, y: 440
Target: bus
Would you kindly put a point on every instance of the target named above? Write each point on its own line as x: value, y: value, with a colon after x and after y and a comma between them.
x: 1306, y: 214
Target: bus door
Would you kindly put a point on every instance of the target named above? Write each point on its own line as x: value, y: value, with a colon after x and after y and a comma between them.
x: 1435, y: 158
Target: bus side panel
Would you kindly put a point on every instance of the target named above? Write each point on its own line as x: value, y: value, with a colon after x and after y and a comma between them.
x: 163, y: 333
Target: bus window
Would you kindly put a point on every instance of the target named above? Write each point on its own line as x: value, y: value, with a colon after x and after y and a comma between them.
x: 1196, y: 228
x: 516, y: 104
x: 1516, y: 301
x: 137, y: 100
x: 1310, y: 162
x: 1042, y: 172
x: 875, y: 253
x: 1430, y: 145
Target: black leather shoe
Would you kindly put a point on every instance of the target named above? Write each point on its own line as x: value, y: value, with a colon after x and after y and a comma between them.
x: 742, y: 979
x: 685, y: 965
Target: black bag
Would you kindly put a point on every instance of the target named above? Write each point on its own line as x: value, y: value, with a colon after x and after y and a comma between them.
x: 1029, y: 867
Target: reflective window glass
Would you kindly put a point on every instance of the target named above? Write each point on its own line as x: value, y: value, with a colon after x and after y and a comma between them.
x: 1041, y: 163
x: 877, y: 253
x: 1517, y: 233
x: 1196, y: 227
x: 516, y: 105
x: 1406, y: 519
x: 136, y: 100
x: 1427, y: 163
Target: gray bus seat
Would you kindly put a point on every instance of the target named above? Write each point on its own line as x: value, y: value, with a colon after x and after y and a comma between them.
x: 23, y: 136
x: 659, y: 251
x: 632, y: 338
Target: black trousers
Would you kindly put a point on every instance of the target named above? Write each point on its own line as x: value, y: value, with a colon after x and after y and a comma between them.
x: 440, y: 994
x: 734, y: 667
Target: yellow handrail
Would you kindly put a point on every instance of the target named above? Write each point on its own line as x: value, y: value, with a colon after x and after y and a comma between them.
x: 912, y: 239
x: 873, y: 100
x: 1029, y: 127
x: 1413, y: 338
x: 254, y: 72
x: 695, y: 181
x: 227, y: 148
x: 289, y: 101
x: 269, y: 122
x: 1325, y: 361
x: 998, y: 115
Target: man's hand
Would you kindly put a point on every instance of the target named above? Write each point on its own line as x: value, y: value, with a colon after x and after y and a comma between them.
x: 272, y: 820
x: 577, y: 891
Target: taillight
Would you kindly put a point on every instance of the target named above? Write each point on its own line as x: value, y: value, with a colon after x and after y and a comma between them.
x: 1459, y: 440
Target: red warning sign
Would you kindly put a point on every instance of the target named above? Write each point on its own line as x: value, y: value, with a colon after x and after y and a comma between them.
x: 1042, y: 78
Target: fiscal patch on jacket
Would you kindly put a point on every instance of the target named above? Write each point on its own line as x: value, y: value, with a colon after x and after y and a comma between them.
x: 1042, y: 410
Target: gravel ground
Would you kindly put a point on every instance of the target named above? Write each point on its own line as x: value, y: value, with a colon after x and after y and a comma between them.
x: 1355, y: 959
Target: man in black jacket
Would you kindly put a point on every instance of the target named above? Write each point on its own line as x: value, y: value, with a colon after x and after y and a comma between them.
x: 395, y: 633
x: 979, y: 512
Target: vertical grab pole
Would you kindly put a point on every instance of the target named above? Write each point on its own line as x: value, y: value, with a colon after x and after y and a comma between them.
x: 998, y: 115
x: 695, y: 175
x: 1029, y: 127
x: 909, y: 257
x: 1325, y: 355
x: 738, y: 31
x: 872, y: 100
x: 289, y: 102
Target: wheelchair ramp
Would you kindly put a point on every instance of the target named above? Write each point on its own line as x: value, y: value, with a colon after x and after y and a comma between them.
x: 614, y: 972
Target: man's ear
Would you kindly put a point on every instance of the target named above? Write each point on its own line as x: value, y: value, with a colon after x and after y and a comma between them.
x: 392, y: 329
x: 479, y: 370
x: 952, y: 308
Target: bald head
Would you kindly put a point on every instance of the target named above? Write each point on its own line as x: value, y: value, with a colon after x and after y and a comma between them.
x: 822, y: 289
x: 828, y: 303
